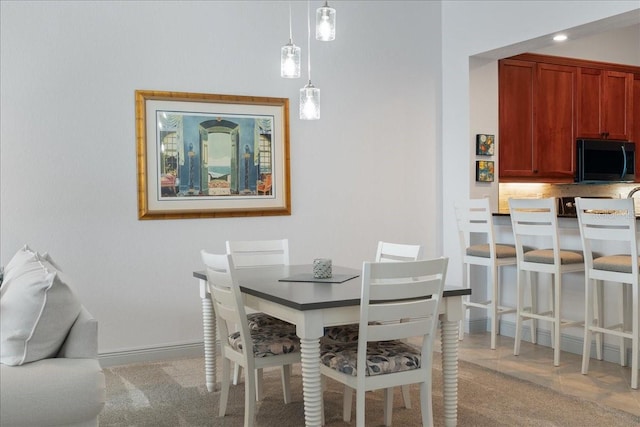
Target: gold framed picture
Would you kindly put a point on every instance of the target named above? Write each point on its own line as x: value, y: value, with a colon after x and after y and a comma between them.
x: 207, y: 155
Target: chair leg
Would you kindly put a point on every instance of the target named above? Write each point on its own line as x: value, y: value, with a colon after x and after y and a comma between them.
x: 552, y: 305
x: 250, y: 386
x: 533, y: 295
x: 622, y: 323
x: 557, y: 318
x: 493, y: 282
x: 635, y: 339
x: 224, y: 386
x: 388, y: 406
x: 597, y: 295
x: 360, y: 398
x: 465, y: 284
x: 322, y: 388
x: 259, y: 384
x: 286, y: 381
x: 426, y: 404
x: 237, y: 371
x: 519, y: 309
x: 406, y: 396
x: 588, y: 322
x: 347, y: 401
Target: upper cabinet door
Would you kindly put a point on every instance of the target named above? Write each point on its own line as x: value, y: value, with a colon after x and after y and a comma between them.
x: 635, y: 116
x: 618, y: 104
x: 515, y: 105
x: 554, y: 122
x: 605, y: 104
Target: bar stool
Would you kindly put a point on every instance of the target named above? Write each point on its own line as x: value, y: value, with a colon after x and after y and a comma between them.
x: 537, y: 219
x: 474, y: 219
x: 612, y: 221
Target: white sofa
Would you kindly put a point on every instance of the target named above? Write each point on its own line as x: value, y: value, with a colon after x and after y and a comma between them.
x: 68, y: 390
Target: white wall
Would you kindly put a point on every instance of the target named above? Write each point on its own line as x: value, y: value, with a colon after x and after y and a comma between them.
x: 620, y: 46
x: 367, y: 171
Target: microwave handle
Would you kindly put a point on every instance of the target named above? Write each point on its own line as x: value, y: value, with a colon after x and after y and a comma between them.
x: 624, y: 162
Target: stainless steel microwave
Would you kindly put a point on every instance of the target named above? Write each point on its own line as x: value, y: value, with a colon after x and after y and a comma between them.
x: 600, y: 160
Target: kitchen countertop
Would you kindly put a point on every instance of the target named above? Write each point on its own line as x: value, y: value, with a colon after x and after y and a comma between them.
x: 506, y: 213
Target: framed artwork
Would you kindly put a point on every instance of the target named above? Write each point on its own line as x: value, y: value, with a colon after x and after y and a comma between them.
x: 484, y: 145
x: 205, y: 155
x: 484, y: 170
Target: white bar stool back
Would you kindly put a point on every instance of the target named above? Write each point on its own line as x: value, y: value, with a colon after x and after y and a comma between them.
x: 475, y: 221
x: 610, y: 221
x: 537, y: 219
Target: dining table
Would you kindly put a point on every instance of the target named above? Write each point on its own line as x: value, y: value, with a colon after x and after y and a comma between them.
x: 291, y: 293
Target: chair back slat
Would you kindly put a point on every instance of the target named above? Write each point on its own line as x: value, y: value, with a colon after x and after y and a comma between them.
x: 404, y: 288
x: 394, y: 252
x: 406, y: 329
x: 405, y: 310
x: 259, y: 253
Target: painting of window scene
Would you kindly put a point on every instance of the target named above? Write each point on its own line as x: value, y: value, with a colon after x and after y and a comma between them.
x: 214, y: 156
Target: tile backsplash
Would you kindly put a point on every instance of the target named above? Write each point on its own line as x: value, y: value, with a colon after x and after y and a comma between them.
x: 539, y: 190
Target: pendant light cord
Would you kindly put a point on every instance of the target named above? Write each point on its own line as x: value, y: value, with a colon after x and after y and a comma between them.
x: 308, y: 41
x: 290, y: 31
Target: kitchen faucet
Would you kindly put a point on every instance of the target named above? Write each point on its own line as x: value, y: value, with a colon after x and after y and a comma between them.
x: 632, y: 192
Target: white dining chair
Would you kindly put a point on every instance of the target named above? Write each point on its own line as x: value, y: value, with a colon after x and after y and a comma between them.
x: 537, y: 219
x: 252, y: 349
x: 258, y: 253
x: 479, y: 247
x: 385, y: 252
x: 610, y: 221
x: 399, y: 301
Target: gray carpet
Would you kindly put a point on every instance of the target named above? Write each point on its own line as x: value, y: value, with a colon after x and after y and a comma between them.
x: 173, y: 393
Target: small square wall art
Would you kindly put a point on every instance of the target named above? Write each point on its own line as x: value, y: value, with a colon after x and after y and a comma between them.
x: 484, y: 145
x: 484, y: 170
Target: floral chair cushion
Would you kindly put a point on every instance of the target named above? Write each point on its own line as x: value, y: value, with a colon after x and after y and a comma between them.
x: 269, y: 341
x: 383, y: 357
x: 260, y: 320
x: 343, y: 334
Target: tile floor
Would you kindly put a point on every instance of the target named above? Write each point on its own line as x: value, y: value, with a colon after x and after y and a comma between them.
x: 607, y: 383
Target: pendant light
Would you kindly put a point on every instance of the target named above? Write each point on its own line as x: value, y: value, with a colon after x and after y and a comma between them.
x: 325, y: 23
x: 309, y: 95
x: 290, y: 56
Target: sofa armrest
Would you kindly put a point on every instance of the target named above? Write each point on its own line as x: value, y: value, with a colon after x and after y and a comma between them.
x: 82, y: 340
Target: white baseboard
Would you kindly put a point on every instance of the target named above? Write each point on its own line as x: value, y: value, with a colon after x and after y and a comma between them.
x: 153, y: 354
x: 568, y: 343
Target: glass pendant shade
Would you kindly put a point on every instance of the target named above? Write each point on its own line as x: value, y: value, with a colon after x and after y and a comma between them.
x: 325, y: 23
x: 290, y: 61
x: 309, y: 102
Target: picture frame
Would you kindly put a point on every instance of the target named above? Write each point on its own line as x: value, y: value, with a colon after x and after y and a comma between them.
x: 209, y: 155
x: 485, y: 170
x: 485, y: 144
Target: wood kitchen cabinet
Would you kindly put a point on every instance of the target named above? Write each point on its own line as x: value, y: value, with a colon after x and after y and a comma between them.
x: 537, y: 121
x: 605, y: 104
x: 547, y: 102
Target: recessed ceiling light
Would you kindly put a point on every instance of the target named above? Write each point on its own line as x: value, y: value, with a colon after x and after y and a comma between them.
x: 560, y: 37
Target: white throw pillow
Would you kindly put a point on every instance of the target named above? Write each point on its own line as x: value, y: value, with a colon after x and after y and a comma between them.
x: 37, y: 309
